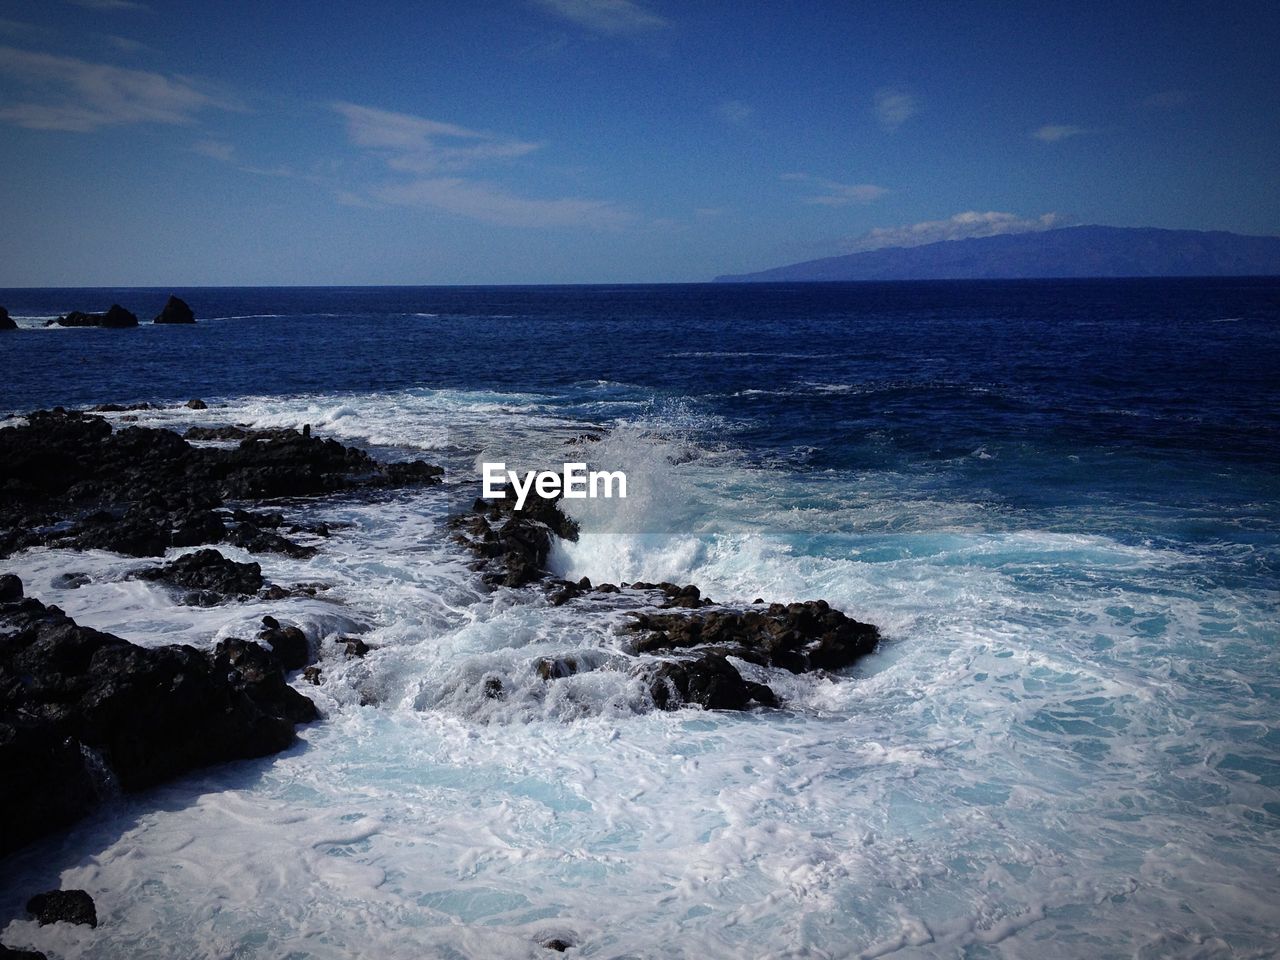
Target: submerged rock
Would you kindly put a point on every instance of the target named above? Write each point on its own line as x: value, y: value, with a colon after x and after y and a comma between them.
x: 83, y: 713
x: 63, y: 906
x: 710, y: 681
x: 175, y: 311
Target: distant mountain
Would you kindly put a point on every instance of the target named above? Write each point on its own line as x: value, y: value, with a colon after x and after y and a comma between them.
x: 1065, y: 252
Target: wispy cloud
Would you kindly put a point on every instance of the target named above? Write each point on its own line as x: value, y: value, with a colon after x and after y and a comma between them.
x: 836, y: 194
x: 735, y: 113
x: 74, y: 95
x: 124, y: 44
x: 109, y: 4
x: 416, y: 145
x: 491, y: 203
x: 971, y: 223
x: 611, y: 17
x: 894, y: 107
x: 1053, y: 132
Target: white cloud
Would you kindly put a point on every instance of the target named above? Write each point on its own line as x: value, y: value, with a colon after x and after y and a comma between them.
x: 606, y: 16
x: 1053, y: 132
x: 971, y: 223
x: 894, y: 107
x: 70, y: 94
x: 735, y: 113
x: 837, y: 194
x: 490, y: 203
x: 413, y: 142
x: 413, y: 145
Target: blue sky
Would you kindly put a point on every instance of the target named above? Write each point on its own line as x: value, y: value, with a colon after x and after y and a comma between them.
x: 537, y: 141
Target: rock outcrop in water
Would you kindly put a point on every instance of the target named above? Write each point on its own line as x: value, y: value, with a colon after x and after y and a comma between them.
x: 69, y: 479
x: 6, y: 321
x: 207, y: 577
x: 116, y: 317
x: 63, y: 906
x: 683, y: 655
x: 84, y: 713
x: 175, y: 311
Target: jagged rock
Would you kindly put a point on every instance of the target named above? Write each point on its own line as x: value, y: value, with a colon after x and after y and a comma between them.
x: 75, y: 702
x: 211, y: 577
x: 312, y: 675
x: 175, y: 311
x: 796, y: 636
x: 256, y: 540
x: 354, y: 646
x: 516, y: 543
x: 710, y: 681
x: 10, y: 588
x: 549, y: 668
x: 140, y: 491
x: 116, y: 317
x: 196, y: 404
x: 6, y: 321
x: 289, y: 644
x: 63, y: 906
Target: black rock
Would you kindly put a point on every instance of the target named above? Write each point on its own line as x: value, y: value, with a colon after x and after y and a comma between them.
x: 289, y: 644
x: 798, y: 636
x: 175, y: 311
x: 84, y: 713
x: 116, y: 317
x: 10, y: 588
x: 208, y: 573
x: 710, y: 681
x: 6, y: 321
x: 63, y: 906
x: 197, y: 403
x: 516, y: 543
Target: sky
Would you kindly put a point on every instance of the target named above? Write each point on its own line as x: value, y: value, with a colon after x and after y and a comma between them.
x: 165, y: 142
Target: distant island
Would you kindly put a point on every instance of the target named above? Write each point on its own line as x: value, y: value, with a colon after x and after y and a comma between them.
x: 1087, y: 251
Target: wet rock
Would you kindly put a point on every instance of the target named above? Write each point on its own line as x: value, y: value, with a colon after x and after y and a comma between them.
x: 798, y: 636
x: 558, y: 945
x: 554, y: 668
x: 75, y: 702
x: 10, y: 588
x: 259, y: 518
x: 70, y: 581
x: 6, y: 321
x: 196, y: 404
x: 289, y: 644
x: 493, y: 689
x: 256, y: 540
x: 312, y: 676
x: 140, y: 491
x: 515, y: 543
x: 208, y: 574
x: 354, y: 646
x: 63, y: 906
x: 175, y: 311
x: 710, y: 681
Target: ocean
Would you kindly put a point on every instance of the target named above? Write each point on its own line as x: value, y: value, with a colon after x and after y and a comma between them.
x: 1059, y: 500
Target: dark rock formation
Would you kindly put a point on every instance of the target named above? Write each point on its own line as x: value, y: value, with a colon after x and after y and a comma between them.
x: 196, y: 404
x: 10, y: 588
x: 175, y: 311
x: 68, y: 479
x: 797, y: 636
x: 289, y: 644
x: 116, y: 317
x: 514, y: 543
x: 63, y: 906
x: 710, y: 681
x: 6, y: 321
x: 84, y: 713
x: 208, y: 577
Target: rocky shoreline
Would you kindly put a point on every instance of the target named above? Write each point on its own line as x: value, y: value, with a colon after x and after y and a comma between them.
x: 86, y: 714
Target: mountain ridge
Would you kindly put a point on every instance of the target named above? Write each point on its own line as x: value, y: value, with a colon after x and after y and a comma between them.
x: 1064, y: 252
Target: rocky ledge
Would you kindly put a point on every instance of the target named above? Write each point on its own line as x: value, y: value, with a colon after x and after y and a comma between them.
x: 683, y: 640
x: 85, y: 713
x: 116, y: 317
x: 68, y: 479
